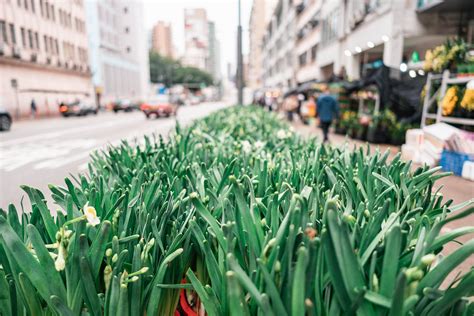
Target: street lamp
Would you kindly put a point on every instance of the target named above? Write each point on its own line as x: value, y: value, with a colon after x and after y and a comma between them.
x: 240, y: 71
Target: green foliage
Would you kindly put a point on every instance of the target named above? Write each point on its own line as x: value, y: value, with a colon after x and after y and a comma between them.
x: 255, y: 219
x: 169, y: 71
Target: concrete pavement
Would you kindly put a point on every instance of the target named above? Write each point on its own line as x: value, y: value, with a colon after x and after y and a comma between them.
x: 39, y: 152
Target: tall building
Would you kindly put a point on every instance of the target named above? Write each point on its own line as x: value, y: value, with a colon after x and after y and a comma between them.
x: 43, y: 55
x: 213, y: 61
x: 259, y: 17
x: 162, y: 42
x: 278, y: 54
x: 118, y: 49
x: 196, y: 36
x: 345, y: 38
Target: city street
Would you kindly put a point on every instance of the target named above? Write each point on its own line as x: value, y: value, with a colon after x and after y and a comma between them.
x: 45, y: 151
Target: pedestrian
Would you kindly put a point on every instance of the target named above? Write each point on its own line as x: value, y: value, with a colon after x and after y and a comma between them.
x: 33, y: 108
x: 327, y: 110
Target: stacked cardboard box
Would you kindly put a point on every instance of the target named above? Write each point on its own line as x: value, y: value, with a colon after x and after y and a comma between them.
x: 426, y: 146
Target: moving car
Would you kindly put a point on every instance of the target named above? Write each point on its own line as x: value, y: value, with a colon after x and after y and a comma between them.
x: 77, y: 108
x: 160, y: 105
x: 5, y: 119
x: 125, y: 105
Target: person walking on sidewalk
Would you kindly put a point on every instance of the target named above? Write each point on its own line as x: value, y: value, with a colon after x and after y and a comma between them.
x: 33, y: 108
x: 327, y: 109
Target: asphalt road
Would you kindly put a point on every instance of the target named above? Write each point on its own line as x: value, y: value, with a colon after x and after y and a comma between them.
x: 39, y: 152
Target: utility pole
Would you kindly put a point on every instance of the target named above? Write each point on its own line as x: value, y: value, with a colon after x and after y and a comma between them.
x: 240, y: 70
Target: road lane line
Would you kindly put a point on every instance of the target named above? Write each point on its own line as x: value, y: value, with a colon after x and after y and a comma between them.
x: 51, y: 135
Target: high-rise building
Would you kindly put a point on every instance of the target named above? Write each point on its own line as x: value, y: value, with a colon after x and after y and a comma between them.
x: 162, y: 42
x: 213, y: 61
x: 43, y: 55
x: 196, y: 36
x: 278, y: 52
x: 344, y: 39
x: 118, y: 49
x: 260, y: 16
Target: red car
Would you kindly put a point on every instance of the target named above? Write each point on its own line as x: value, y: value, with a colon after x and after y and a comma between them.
x: 159, y: 106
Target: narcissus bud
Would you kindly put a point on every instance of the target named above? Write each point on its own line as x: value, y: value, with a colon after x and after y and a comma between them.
x: 428, y: 259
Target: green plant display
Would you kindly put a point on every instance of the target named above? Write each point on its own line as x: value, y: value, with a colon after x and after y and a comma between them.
x: 250, y: 217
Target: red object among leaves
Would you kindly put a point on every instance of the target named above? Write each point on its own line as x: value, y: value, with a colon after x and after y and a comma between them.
x: 183, y: 302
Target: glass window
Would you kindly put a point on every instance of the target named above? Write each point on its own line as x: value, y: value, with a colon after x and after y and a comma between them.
x: 26, y: 4
x: 56, y: 47
x: 46, y: 9
x: 46, y: 46
x: 37, y: 40
x: 23, y: 36
x: 12, y: 34
x: 30, y: 38
x: 33, y: 5
x: 41, y: 7
x: 3, y: 32
x: 302, y: 59
x: 314, y: 50
x: 53, y: 16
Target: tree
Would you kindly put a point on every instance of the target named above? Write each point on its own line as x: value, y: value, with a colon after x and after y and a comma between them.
x: 169, y: 71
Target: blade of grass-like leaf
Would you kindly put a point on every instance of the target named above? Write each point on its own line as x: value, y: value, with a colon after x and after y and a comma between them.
x: 398, y: 295
x: 88, y: 288
x: 32, y: 300
x: 24, y: 260
x: 155, y: 295
x: 237, y: 305
x: 97, y: 249
x: 390, y: 261
x: 298, y: 288
x: 5, y: 297
x: 209, y: 305
x: 54, y: 278
x: 436, y: 275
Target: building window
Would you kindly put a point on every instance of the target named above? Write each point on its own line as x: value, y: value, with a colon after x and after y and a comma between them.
x: 33, y: 6
x: 30, y: 39
x: 46, y: 9
x: 46, y: 46
x: 329, y: 29
x: 23, y: 37
x: 125, y: 10
x: 3, y: 32
x: 128, y: 49
x: 19, y: 3
x: 41, y: 7
x: 26, y: 4
x: 12, y: 34
x: 53, y: 16
x: 56, y: 47
x: 314, y: 50
x: 302, y: 59
x: 127, y: 30
x: 37, y: 40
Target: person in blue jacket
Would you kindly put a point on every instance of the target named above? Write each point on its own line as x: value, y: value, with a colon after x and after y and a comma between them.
x: 327, y: 109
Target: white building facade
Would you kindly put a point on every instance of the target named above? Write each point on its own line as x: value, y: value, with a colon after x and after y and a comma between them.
x: 344, y: 38
x: 260, y: 15
x: 214, y: 59
x: 43, y: 55
x: 196, y: 36
x: 118, y: 49
x: 278, y: 55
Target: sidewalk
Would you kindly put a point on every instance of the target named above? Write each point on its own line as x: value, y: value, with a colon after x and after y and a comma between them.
x: 453, y: 187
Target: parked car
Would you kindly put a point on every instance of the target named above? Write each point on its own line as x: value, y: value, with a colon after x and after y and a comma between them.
x: 125, y: 105
x: 77, y: 108
x: 5, y: 119
x: 159, y: 106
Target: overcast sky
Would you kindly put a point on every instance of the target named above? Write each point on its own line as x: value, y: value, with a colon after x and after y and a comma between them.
x: 222, y: 12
